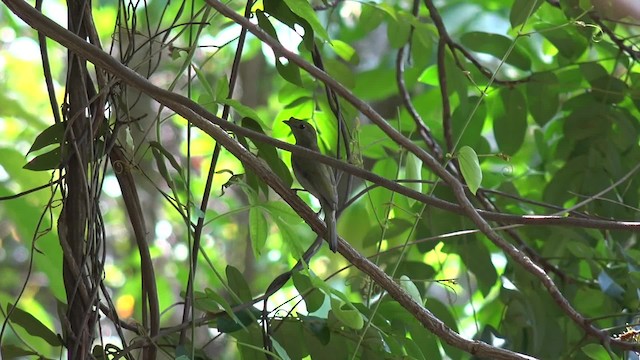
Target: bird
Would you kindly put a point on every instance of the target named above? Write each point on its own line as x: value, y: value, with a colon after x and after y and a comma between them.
x: 315, y: 177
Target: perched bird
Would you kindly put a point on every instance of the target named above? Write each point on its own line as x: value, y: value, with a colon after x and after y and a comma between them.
x: 315, y: 177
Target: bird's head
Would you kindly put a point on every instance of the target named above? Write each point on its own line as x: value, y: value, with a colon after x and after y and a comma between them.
x: 304, y: 133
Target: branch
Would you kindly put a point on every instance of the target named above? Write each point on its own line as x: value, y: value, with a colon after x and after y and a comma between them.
x: 214, y: 126
x: 444, y: 36
x: 427, y: 159
x: 198, y: 116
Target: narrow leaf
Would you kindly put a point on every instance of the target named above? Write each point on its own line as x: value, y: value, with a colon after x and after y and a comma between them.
x: 33, y: 326
x: 49, y: 136
x: 47, y: 161
x: 258, y: 229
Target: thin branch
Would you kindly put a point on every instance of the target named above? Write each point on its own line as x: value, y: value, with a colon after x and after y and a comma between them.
x: 444, y: 36
x: 423, y: 129
x: 444, y: 92
x: 456, y: 186
x: 634, y: 54
x: 213, y: 126
x: 196, y: 115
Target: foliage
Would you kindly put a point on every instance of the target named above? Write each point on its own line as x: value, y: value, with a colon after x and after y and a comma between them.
x: 487, y: 150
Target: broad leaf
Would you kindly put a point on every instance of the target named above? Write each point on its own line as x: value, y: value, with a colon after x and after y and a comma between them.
x: 470, y: 168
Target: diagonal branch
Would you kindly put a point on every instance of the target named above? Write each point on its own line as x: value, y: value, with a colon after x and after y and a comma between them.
x: 213, y: 126
x: 432, y: 163
x: 196, y: 115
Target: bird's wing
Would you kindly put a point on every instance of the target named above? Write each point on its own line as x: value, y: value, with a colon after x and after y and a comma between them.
x: 317, y: 179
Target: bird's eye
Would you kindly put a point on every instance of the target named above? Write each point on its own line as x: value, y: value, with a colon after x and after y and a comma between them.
x: 302, y: 126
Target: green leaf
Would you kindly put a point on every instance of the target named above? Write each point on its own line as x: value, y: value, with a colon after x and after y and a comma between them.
x: 318, y: 327
x: 204, y: 82
x: 596, y: 352
x: 470, y: 167
x: 266, y: 24
x: 350, y: 316
x: 521, y: 9
x: 413, y: 171
x: 291, y: 335
x: 290, y: 225
x: 477, y: 258
x: 397, y: 226
x: 279, y: 10
x: 398, y: 31
x: 47, y: 161
x: 467, y: 124
x: 281, y: 351
x: 374, y: 143
x: 241, y: 320
x: 590, y: 119
x: 214, y: 296
x: 313, y: 297
x: 510, y: 126
x: 242, y: 109
x: 303, y: 9
x: 413, y: 349
x: 269, y: 153
x: 425, y: 341
x: 386, y: 8
x: 166, y: 154
x: 424, y: 39
x: 345, y: 51
x: 10, y: 351
x: 370, y: 18
x: 379, y: 197
x: 569, y: 43
x: 341, y: 72
x: 33, y: 326
x: 341, y: 306
x: 498, y: 46
x: 203, y: 302
x: 289, y: 72
x: 258, y: 229
x: 407, y: 285
x: 542, y: 97
x: 609, y: 286
x: 238, y: 284
x: 175, y: 183
x: 222, y: 88
x: 568, y: 177
x: 54, y: 134
x: 430, y: 76
x: 609, y: 89
x: 375, y: 84
x: 443, y: 313
x: 580, y: 250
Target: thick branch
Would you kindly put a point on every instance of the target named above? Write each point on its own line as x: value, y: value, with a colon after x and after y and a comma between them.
x: 190, y: 110
x: 202, y: 119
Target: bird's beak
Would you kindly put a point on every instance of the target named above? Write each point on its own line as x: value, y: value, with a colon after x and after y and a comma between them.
x: 288, y: 122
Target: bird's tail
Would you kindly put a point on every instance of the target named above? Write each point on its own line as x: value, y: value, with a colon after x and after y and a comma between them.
x: 330, y: 221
